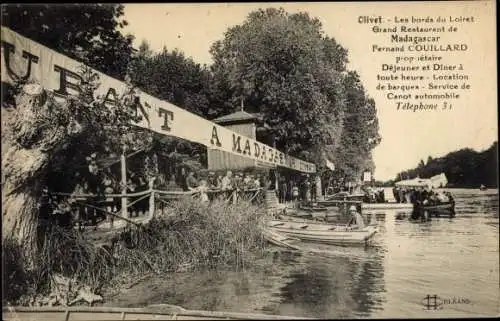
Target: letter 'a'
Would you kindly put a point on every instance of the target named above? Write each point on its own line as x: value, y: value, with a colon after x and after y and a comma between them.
x: 215, y: 137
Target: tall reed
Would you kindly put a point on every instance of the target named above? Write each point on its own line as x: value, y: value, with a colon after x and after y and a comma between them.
x: 189, y: 235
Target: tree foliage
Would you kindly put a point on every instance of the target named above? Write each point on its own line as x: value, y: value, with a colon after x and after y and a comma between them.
x: 107, y: 131
x: 89, y: 33
x: 284, y: 68
x: 44, y: 143
x: 173, y: 77
x: 277, y: 63
x: 281, y: 65
x: 463, y: 168
x: 360, y: 131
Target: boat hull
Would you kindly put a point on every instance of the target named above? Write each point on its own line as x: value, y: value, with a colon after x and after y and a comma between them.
x: 354, y: 197
x: 407, y: 207
x: 323, y: 233
x: 313, y: 209
x: 440, y: 207
x: 387, y: 206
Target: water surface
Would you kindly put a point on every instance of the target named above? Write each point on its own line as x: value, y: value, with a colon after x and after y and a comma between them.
x: 456, y: 259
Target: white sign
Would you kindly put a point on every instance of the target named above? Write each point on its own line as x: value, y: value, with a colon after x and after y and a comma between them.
x: 25, y: 59
x: 367, y: 176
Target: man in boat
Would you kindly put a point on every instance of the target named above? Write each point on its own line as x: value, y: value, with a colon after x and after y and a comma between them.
x: 419, y: 211
x: 356, y: 218
x: 442, y: 197
x: 395, y: 193
x: 402, y: 197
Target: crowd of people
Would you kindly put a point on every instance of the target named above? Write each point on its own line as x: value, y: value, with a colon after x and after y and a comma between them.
x: 244, y: 181
x: 288, y: 189
x: 426, y: 196
x: 302, y: 188
x: 230, y: 181
x: 374, y: 195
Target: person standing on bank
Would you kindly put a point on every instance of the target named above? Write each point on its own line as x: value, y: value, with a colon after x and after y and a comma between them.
x: 313, y: 190
x: 295, y: 194
x: 282, y: 190
x: 307, y: 187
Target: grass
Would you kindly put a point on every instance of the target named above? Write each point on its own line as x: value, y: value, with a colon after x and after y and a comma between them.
x: 189, y: 235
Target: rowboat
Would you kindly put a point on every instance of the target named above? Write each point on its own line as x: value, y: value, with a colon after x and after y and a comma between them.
x: 344, y: 196
x: 324, y: 214
x: 387, y: 206
x: 313, y: 208
x: 323, y: 233
x: 448, y: 206
x: 111, y: 314
x: 279, y: 239
x: 339, y: 203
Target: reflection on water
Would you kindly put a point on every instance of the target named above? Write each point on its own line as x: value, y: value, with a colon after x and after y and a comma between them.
x: 450, y: 258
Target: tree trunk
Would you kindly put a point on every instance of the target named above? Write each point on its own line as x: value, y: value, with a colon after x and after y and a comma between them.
x: 32, y: 131
x: 20, y: 222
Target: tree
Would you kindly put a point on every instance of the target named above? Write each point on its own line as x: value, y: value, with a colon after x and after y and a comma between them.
x: 463, y: 168
x: 360, y: 131
x: 86, y: 32
x: 175, y: 78
x: 172, y: 77
x: 283, y: 67
x: 42, y: 137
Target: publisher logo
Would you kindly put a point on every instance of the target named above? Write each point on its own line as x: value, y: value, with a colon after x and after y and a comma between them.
x: 434, y: 302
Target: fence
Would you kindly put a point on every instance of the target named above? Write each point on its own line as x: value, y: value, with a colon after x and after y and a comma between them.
x: 106, y: 210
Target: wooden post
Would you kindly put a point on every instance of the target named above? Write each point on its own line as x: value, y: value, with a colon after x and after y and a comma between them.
x: 123, y: 163
x: 151, y: 198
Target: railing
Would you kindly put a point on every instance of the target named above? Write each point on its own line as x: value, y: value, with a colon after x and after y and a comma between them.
x: 105, y: 209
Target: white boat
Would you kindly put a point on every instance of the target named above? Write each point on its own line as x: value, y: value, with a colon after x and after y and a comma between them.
x: 323, y: 233
x: 279, y: 239
x: 387, y: 206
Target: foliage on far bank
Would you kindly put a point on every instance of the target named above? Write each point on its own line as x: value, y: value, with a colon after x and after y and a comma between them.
x: 190, y: 235
x: 465, y: 168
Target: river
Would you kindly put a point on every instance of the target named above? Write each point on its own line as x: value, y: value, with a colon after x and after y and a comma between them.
x: 455, y: 259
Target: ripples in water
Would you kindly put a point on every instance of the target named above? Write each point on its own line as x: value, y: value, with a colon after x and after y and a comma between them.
x: 450, y: 258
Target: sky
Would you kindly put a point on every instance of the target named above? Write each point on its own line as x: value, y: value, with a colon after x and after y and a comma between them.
x: 407, y: 136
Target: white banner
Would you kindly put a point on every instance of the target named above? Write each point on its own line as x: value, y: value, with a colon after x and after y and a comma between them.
x: 26, y: 59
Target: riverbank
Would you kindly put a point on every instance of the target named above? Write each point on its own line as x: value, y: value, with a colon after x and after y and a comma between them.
x: 190, y: 235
